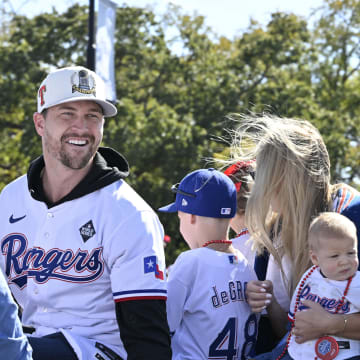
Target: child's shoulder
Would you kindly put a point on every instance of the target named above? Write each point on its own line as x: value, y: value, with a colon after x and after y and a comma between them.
x: 205, y: 255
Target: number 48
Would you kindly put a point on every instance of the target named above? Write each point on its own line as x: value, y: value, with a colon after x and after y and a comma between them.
x: 229, y: 334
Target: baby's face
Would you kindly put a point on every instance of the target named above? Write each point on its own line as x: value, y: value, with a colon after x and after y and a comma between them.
x: 336, y: 257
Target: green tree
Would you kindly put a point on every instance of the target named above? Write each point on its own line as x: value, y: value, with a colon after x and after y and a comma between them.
x: 172, y: 103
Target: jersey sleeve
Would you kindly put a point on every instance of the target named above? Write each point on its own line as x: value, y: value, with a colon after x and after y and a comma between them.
x: 135, y: 318
x: 13, y: 342
x: 291, y: 312
x: 135, y: 255
x: 177, y: 292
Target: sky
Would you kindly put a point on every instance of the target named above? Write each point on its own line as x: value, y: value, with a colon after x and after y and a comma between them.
x: 225, y: 17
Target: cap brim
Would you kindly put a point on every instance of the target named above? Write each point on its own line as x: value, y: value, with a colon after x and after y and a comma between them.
x: 171, y: 208
x: 108, y: 108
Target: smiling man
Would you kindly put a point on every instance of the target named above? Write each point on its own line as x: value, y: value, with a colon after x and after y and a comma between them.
x: 76, y: 239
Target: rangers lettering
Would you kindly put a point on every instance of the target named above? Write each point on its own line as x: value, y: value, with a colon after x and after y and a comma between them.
x: 53, y: 264
x: 326, y: 303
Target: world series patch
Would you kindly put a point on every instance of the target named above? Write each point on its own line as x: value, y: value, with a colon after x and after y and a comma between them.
x: 87, y: 231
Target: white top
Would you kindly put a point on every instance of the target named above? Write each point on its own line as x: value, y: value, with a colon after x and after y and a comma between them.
x: 67, y: 265
x: 243, y: 243
x: 279, y: 282
x: 206, y: 307
x: 328, y: 293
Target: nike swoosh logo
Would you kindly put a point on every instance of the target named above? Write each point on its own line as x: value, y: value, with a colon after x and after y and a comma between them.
x: 14, y: 220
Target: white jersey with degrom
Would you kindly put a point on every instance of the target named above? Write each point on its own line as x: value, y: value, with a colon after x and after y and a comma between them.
x: 207, y: 309
x: 328, y: 293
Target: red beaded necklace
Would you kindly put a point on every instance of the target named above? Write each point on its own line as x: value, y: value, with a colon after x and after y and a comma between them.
x: 217, y: 242
x: 242, y: 232
x: 297, y: 302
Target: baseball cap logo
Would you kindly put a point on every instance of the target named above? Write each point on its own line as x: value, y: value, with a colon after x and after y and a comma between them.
x: 83, y: 82
x: 225, y: 211
x: 41, y: 94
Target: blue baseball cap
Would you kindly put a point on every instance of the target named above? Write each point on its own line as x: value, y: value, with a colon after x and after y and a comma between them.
x: 204, y: 192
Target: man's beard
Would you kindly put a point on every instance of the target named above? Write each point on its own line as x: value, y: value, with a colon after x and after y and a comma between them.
x: 72, y: 161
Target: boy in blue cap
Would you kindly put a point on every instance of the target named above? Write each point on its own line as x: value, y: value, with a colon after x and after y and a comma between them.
x: 207, y: 310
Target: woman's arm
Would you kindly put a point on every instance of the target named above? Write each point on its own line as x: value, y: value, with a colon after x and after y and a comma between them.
x: 315, y: 322
x: 260, y: 296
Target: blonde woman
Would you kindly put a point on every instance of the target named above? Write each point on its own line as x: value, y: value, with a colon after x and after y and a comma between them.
x: 292, y: 186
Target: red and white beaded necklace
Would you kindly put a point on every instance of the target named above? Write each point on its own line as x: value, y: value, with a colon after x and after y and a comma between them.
x: 242, y: 232
x: 216, y: 242
x: 334, y: 349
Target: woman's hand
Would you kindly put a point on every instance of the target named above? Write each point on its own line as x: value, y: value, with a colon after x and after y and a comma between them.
x: 259, y: 294
x: 313, y: 322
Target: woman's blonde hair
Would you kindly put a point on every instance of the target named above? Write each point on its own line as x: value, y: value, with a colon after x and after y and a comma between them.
x: 292, y: 168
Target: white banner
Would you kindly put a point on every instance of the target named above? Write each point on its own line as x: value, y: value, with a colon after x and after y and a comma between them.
x: 105, y: 52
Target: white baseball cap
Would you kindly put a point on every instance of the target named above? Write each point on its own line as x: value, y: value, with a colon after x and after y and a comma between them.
x: 73, y: 83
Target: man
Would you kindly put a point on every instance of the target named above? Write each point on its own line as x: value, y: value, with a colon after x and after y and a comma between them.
x: 82, y: 251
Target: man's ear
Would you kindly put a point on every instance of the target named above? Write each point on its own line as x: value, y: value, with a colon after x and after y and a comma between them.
x: 193, y: 219
x: 39, y: 122
x: 313, y: 257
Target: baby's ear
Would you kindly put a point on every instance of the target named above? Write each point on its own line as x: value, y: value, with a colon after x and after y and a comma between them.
x: 313, y: 257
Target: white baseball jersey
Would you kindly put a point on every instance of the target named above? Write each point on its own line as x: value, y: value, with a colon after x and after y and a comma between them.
x: 243, y: 243
x: 68, y: 265
x: 328, y: 293
x: 206, y: 307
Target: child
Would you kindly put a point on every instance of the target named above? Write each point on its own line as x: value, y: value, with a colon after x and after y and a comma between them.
x: 242, y: 175
x: 207, y: 310
x: 333, y: 282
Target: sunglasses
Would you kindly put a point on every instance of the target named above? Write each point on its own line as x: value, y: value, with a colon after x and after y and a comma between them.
x: 175, y: 188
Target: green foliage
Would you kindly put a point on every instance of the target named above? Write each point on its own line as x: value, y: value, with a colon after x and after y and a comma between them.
x: 172, y: 104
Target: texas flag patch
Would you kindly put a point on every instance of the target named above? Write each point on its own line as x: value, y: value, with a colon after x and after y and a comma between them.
x: 150, y: 265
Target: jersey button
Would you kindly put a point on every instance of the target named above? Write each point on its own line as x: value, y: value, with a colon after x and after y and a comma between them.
x: 50, y: 215
x: 36, y: 291
x: 46, y: 234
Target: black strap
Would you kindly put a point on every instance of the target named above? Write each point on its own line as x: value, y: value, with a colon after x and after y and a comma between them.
x: 260, y: 265
x: 28, y: 329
